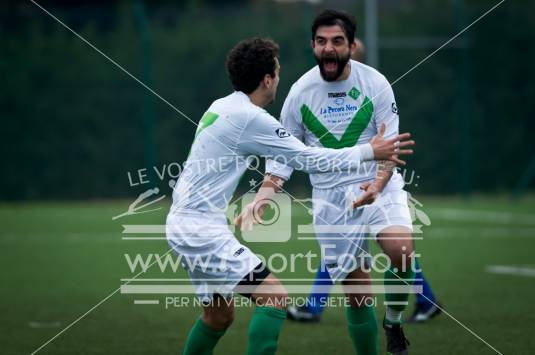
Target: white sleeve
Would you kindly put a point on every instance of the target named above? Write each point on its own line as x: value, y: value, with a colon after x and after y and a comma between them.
x: 386, y: 110
x: 279, y: 169
x: 293, y: 123
x: 264, y: 135
x: 291, y: 119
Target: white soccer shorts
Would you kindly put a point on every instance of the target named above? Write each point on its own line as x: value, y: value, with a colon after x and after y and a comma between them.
x: 214, y: 259
x: 343, y: 232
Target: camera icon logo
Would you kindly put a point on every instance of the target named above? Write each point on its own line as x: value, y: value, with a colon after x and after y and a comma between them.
x: 274, y: 224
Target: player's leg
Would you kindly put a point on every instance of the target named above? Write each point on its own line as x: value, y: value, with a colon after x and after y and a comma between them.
x: 426, y: 303
x: 270, y: 298
x: 345, y: 248
x: 217, y: 316
x: 320, y: 290
x: 396, y: 242
x: 316, y: 300
x: 427, y: 296
x: 215, y: 266
x: 390, y: 221
x: 361, y: 319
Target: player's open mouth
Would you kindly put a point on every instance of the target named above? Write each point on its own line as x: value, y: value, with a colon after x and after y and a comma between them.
x: 330, y: 65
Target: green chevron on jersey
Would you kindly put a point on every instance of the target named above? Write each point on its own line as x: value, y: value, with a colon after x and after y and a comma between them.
x: 352, y: 133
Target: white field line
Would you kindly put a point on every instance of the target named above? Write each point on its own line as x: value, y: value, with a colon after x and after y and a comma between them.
x: 480, y: 232
x: 481, y: 216
x: 511, y: 270
x: 146, y: 301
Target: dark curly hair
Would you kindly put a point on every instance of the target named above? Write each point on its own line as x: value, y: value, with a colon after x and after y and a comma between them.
x: 249, y: 61
x: 334, y: 17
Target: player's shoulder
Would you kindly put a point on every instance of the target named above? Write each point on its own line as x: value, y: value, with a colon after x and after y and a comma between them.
x: 236, y: 104
x: 370, y: 74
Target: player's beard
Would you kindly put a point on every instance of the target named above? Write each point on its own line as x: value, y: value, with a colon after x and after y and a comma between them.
x: 331, y: 65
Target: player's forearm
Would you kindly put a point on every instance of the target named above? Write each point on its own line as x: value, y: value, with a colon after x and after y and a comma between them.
x: 326, y: 160
x: 272, y: 182
x: 270, y: 186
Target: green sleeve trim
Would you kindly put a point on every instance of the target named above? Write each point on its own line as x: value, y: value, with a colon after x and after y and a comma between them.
x: 206, y: 121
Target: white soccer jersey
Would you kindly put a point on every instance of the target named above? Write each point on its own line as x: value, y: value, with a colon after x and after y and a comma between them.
x: 337, y: 115
x: 230, y: 132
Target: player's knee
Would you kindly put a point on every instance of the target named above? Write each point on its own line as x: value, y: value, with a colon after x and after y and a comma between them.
x: 399, y: 251
x: 280, y: 295
x: 406, y: 256
x: 282, y: 299
x: 271, y: 293
x: 275, y: 298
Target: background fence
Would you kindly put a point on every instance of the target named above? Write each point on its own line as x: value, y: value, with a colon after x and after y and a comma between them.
x: 73, y: 125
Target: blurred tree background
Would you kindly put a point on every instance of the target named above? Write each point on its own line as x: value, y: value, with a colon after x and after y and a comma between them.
x: 73, y: 124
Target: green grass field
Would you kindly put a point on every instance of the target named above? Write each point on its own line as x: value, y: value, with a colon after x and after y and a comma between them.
x: 61, y: 259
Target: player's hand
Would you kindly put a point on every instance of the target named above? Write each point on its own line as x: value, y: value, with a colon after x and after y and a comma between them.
x: 246, y: 219
x: 390, y: 149
x: 371, y: 192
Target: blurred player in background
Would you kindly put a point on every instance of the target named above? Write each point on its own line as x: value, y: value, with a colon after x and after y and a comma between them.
x: 231, y: 130
x: 341, y: 103
x: 425, y: 306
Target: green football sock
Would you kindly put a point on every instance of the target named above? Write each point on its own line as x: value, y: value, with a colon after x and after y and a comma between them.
x: 362, y: 325
x: 202, y: 339
x: 264, y: 329
x: 397, y: 302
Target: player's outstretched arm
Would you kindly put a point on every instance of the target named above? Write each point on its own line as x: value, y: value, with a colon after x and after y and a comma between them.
x: 263, y: 135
